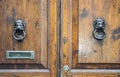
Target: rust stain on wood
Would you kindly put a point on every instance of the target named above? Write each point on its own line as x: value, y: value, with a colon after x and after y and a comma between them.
x: 64, y: 40
x: 76, y: 52
x: 84, y: 13
x: 119, y: 10
x: 36, y: 23
x: 11, y: 18
x: 116, y: 34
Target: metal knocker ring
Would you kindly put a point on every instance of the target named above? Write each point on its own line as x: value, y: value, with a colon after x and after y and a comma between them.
x: 99, y: 26
x: 19, y: 37
x: 99, y: 35
x: 19, y: 30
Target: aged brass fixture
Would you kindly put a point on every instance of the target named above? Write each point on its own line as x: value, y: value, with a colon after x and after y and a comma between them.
x: 19, y: 54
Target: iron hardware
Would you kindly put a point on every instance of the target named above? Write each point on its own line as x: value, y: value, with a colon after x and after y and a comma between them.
x: 99, y: 27
x: 19, y: 30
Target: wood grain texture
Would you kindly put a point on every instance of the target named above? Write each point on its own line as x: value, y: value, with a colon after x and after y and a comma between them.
x: 66, y: 39
x: 23, y: 9
x: 60, y: 33
x: 66, y: 30
x: 25, y: 74
x: 75, y: 31
x: 33, y: 28
x: 80, y: 50
x: 2, y: 24
x: 52, y: 40
x: 85, y: 37
x: 17, y: 10
x: 40, y: 17
x: 44, y: 23
x: 96, y: 75
x: 91, y: 50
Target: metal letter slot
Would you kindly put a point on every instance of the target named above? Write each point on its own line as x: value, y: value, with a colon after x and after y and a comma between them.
x: 99, y: 27
x: 20, y: 54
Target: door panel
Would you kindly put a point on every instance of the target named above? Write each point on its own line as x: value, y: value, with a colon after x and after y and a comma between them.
x: 96, y: 75
x: 41, y: 30
x: 33, y: 40
x: 91, y: 50
x: 80, y: 50
x: 25, y: 75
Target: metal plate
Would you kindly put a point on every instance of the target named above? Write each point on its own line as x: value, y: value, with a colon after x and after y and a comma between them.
x: 20, y: 54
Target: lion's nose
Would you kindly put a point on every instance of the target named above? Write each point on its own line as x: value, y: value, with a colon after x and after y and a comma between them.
x: 19, y: 27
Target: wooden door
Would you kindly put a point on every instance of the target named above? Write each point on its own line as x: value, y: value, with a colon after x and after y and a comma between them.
x: 40, y: 17
x: 81, y: 54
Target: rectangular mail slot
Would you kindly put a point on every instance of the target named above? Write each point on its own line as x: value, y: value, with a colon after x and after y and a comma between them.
x: 20, y: 54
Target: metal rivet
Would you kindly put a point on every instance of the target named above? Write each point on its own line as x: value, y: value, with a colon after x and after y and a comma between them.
x: 66, y: 68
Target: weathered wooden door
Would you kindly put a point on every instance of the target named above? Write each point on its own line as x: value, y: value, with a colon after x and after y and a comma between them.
x: 40, y: 18
x: 81, y: 54
x: 59, y: 39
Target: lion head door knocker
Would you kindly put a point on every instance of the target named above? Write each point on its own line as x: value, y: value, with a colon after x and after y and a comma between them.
x: 99, y: 27
x: 19, y: 30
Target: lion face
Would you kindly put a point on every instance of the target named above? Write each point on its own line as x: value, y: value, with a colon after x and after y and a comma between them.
x: 99, y: 23
x: 19, y: 25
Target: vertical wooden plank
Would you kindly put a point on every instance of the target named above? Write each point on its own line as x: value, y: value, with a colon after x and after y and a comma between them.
x: 99, y: 45
x: 1, y: 8
x: 65, y: 31
x: 75, y: 31
x: 44, y: 24
x: 10, y: 12
x: 22, y: 14
x: 113, y: 32
x: 14, y: 10
x: 2, y: 31
x: 87, y: 52
x: 66, y: 37
x: 34, y: 28
x: 52, y: 34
